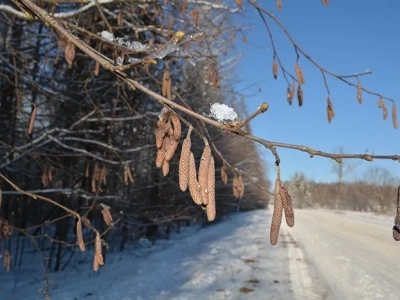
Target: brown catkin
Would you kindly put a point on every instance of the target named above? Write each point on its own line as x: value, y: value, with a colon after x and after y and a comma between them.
x: 194, y: 186
x: 240, y: 186
x: 69, y: 53
x: 278, y: 4
x: 166, y: 85
x: 275, y: 69
x: 235, y: 188
x: 159, y: 133
x: 381, y: 104
x: 300, y: 95
x: 32, y: 120
x: 97, y: 249
x: 287, y: 206
x: 160, y: 158
x: 167, y: 128
x: 177, y: 126
x: 224, y: 175
x: 79, y: 235
x: 95, y: 263
x: 329, y: 110
x: 184, y: 164
x: 203, y: 172
x: 210, y: 209
x: 289, y: 95
x: 107, y: 217
x: 394, y: 115
x: 165, y: 167
x: 299, y: 73
x: 277, y: 214
x: 86, y: 221
x: 173, y: 144
x: 359, y: 91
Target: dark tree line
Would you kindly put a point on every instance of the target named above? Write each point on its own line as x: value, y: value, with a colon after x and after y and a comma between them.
x: 76, y: 134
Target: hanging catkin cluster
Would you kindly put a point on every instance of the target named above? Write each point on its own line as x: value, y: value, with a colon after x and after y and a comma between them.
x: 201, y: 187
x: 167, y: 133
x: 283, y: 202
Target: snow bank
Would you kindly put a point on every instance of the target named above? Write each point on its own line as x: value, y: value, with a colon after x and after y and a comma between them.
x: 230, y: 260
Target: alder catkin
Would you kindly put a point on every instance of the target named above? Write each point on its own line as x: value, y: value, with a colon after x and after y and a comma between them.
x: 210, y: 208
x: 32, y: 120
x: 275, y: 69
x: 160, y: 158
x: 279, y: 4
x: 359, y: 91
x: 159, y: 133
x: 69, y: 53
x: 184, y: 164
x: 394, y: 115
x: 203, y: 172
x: 177, y: 126
x: 165, y: 167
x: 330, y: 111
x: 194, y: 186
x: 299, y: 73
x: 173, y: 144
x: 235, y: 188
x: 79, y: 235
x: 224, y: 175
x: 166, y: 85
x: 300, y: 95
x: 240, y: 187
x: 107, y: 217
x: 381, y: 104
x: 289, y: 95
x: 287, y: 206
x: 277, y: 214
x: 98, y: 257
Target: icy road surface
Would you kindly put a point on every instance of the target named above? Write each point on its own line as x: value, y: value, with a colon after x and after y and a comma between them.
x: 350, y: 255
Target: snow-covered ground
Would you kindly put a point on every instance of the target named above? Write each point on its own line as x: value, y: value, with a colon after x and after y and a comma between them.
x: 327, y: 255
x: 230, y: 260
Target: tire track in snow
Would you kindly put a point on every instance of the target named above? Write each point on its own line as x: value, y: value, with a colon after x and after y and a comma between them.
x: 300, y: 276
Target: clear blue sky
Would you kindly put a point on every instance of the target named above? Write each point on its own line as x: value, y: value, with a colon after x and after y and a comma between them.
x: 346, y: 38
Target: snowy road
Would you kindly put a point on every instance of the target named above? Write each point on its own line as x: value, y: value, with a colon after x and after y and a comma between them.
x: 351, y: 256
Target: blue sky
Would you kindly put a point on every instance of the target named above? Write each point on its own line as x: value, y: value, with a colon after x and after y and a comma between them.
x: 346, y: 38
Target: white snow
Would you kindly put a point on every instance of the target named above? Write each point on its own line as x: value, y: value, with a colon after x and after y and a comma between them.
x: 327, y: 255
x: 230, y: 260
x: 107, y: 35
x: 222, y: 112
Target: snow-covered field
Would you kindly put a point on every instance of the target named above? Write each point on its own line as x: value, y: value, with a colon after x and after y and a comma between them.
x: 327, y: 255
x: 230, y: 260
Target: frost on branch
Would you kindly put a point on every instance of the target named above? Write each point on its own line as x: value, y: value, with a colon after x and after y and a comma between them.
x: 222, y: 113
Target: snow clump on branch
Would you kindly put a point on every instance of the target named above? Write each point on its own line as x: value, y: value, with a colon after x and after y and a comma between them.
x: 222, y: 113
